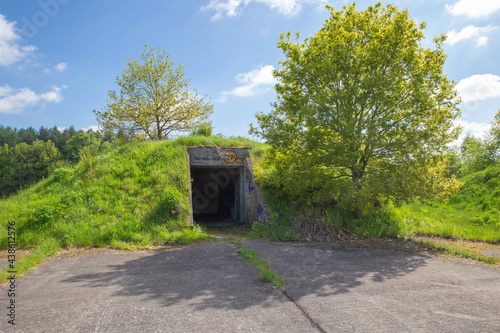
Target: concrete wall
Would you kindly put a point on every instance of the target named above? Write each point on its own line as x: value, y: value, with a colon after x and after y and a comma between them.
x: 227, y: 160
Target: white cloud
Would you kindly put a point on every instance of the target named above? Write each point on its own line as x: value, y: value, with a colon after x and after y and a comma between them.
x: 235, y: 7
x: 225, y: 8
x: 474, y: 8
x: 470, y: 32
x: 15, y: 101
x: 255, y: 82
x: 11, y: 51
x: 482, y: 41
x: 60, y: 67
x: 479, y: 87
x: 478, y: 130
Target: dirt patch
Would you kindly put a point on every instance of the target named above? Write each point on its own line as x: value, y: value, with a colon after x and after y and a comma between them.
x: 315, y: 230
x: 481, y: 249
x: 19, y: 253
x: 232, y: 231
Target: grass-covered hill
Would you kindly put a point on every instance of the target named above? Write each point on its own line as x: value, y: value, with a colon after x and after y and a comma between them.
x: 132, y: 195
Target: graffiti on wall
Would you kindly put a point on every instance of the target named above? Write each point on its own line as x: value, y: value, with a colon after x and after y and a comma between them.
x: 232, y: 157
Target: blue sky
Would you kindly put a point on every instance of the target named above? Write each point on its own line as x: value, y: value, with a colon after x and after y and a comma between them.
x: 59, y: 58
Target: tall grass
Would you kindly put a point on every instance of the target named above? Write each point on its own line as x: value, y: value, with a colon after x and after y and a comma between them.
x: 473, y: 213
x: 447, y: 220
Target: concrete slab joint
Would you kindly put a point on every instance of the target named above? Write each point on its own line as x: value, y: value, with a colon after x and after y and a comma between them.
x: 222, y: 186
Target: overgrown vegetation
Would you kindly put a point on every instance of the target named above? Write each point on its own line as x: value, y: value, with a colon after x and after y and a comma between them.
x: 365, y: 150
x: 472, y: 213
x: 27, y: 263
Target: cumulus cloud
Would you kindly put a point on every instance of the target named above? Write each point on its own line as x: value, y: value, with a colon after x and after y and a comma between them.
x: 470, y: 32
x: 60, y: 67
x: 479, y: 87
x: 17, y: 100
x: 254, y: 82
x: 475, y: 9
x: 478, y: 130
x: 11, y: 51
x: 235, y: 7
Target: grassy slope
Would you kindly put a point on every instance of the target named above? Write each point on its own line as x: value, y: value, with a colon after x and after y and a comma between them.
x: 134, y: 195
x: 472, y: 213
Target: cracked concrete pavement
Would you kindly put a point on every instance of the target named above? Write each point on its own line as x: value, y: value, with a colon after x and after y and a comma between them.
x: 210, y: 288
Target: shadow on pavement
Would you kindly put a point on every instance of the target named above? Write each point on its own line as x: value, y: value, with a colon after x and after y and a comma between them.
x: 210, y: 275
x: 213, y: 275
x: 325, y: 271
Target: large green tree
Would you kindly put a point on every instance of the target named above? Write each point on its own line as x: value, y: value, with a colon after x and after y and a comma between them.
x: 363, y: 111
x: 154, y: 99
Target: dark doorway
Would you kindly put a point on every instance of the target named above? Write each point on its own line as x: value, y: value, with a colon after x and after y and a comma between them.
x: 216, y: 199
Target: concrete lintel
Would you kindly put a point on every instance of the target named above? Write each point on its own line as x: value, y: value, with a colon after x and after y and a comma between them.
x: 216, y: 156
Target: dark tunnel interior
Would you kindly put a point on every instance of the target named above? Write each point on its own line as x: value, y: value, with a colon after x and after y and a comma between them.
x: 215, y: 198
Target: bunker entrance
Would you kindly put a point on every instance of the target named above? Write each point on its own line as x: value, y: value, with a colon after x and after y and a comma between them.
x: 216, y: 196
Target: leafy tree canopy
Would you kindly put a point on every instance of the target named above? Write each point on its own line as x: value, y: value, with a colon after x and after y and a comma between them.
x: 77, y: 142
x: 154, y: 99
x: 363, y: 111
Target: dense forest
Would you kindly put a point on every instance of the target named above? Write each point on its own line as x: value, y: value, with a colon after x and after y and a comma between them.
x: 28, y: 155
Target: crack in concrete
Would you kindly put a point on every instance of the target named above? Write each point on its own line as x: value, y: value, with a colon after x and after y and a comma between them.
x: 313, y: 322
x: 290, y: 298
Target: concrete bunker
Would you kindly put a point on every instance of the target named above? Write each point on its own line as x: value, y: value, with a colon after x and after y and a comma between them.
x: 222, y: 188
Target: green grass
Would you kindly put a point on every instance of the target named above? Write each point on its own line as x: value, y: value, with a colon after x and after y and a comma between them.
x: 27, y: 263
x: 264, y: 267
x: 135, y: 193
x: 473, y: 213
x: 233, y: 240
x: 285, y: 211
x: 446, y: 220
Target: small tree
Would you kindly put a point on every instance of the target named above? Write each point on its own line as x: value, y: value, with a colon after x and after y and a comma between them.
x: 154, y: 99
x: 363, y: 111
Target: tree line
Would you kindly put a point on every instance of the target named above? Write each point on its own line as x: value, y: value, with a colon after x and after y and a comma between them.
x: 28, y: 155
